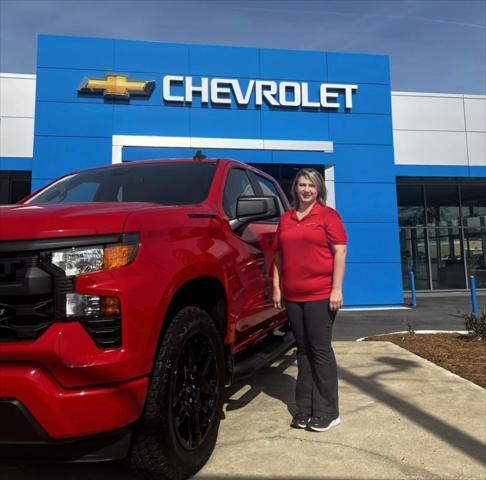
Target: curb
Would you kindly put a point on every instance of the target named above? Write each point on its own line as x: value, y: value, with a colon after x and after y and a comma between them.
x: 462, y: 332
x: 429, y: 362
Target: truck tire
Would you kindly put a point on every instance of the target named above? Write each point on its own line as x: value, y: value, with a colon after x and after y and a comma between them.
x: 178, y: 430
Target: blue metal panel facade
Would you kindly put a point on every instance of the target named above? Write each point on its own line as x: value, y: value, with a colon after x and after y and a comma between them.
x: 440, y: 171
x: 73, y: 132
x: 15, y: 163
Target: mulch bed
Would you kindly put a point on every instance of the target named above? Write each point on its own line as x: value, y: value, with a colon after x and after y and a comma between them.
x: 461, y: 354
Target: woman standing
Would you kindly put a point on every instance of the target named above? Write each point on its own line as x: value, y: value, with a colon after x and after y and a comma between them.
x: 310, y: 258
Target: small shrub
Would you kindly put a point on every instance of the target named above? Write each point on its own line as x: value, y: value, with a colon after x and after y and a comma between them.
x: 410, y: 329
x: 476, y: 326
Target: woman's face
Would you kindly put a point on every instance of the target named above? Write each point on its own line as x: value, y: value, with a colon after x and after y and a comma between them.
x: 306, y: 191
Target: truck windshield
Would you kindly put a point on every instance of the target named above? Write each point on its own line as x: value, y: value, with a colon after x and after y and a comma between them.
x: 166, y: 183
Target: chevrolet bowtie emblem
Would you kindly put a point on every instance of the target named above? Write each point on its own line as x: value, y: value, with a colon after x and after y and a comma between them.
x: 116, y: 87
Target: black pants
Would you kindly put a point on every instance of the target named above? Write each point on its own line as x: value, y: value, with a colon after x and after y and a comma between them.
x: 317, y: 384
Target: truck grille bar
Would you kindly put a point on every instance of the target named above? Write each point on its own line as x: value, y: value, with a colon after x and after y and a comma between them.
x: 33, y: 293
x: 26, y: 297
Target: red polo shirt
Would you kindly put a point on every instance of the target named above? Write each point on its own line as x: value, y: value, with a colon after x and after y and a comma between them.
x: 307, y: 257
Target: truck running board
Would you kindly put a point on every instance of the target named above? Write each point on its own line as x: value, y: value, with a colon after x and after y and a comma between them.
x: 262, y: 354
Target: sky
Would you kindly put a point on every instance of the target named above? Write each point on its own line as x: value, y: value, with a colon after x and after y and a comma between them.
x: 433, y: 45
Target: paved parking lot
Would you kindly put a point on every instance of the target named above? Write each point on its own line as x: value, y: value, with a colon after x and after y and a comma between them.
x: 403, y: 418
x: 442, y: 311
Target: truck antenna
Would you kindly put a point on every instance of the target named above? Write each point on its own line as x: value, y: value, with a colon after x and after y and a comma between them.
x: 199, y: 155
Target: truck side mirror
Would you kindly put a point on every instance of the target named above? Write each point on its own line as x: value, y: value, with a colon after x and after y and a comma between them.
x: 251, y: 209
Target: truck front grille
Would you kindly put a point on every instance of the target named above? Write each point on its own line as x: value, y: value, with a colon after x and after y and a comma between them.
x: 33, y: 292
x: 20, y: 320
x: 26, y: 297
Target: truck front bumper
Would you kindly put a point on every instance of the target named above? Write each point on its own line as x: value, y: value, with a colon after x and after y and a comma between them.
x: 36, y: 409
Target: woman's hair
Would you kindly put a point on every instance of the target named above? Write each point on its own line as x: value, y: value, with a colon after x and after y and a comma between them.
x: 316, y: 178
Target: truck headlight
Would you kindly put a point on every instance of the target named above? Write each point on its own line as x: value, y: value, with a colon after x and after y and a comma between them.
x: 76, y: 261
x: 91, y: 306
x: 79, y: 260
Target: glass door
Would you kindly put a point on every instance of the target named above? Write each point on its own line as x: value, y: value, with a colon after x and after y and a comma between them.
x: 413, y: 250
x: 446, y: 258
x: 475, y: 239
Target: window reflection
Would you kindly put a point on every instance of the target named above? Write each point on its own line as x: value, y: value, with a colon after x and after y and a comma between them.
x: 414, y: 257
x: 411, y: 209
x: 473, y: 199
x: 442, y: 205
x: 442, y: 234
x: 475, y: 246
x: 446, y: 258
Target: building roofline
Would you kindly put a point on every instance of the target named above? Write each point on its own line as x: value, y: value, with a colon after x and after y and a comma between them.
x: 29, y: 76
x: 446, y: 95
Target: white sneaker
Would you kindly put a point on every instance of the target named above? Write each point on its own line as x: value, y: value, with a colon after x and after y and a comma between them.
x: 318, y: 424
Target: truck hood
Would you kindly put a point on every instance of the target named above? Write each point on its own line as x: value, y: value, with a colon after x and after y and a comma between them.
x: 26, y: 221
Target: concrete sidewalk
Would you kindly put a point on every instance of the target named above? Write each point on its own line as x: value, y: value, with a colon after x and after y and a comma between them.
x: 403, y: 418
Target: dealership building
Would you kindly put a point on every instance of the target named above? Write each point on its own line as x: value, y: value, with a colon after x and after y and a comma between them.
x: 406, y: 170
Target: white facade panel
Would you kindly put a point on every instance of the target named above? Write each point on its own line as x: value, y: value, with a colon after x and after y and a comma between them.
x: 17, y: 95
x: 476, y: 143
x: 16, y: 137
x: 427, y: 112
x: 475, y: 110
x: 430, y: 148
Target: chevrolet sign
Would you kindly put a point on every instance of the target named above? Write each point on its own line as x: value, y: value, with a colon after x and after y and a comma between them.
x: 275, y: 94
x: 116, y: 87
x: 221, y: 91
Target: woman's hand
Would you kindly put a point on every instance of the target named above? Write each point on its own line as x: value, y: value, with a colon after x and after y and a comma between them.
x: 336, y: 299
x: 277, y: 298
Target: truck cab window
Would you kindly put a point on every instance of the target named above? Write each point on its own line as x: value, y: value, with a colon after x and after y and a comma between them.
x: 269, y: 188
x: 237, y: 185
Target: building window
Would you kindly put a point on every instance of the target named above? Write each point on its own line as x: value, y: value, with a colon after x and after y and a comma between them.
x: 413, y: 251
x: 475, y: 248
x: 446, y: 259
x: 14, y: 185
x: 442, y: 205
x: 442, y: 232
x: 473, y: 200
x: 411, y: 206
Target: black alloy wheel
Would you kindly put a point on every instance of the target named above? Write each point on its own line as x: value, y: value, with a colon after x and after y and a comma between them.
x: 178, y: 431
x: 195, y: 393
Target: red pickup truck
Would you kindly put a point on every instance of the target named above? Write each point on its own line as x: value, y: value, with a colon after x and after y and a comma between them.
x: 130, y: 296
